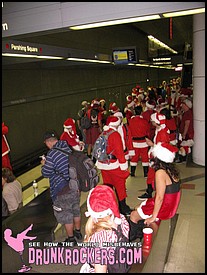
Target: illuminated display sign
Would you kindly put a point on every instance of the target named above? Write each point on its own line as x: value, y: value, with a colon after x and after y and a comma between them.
x: 124, y: 55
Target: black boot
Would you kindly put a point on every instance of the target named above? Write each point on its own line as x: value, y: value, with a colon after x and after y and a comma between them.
x: 135, y: 230
x: 124, y: 208
x: 179, y: 159
x: 133, y: 169
x: 145, y: 169
x: 148, y: 193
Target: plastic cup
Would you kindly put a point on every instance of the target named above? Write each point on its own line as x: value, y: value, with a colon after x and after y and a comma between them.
x: 147, y: 235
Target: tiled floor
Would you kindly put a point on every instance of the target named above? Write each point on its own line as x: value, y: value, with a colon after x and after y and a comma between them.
x: 187, y: 252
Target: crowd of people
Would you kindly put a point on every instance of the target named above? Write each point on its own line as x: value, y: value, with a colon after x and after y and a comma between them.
x: 155, y: 127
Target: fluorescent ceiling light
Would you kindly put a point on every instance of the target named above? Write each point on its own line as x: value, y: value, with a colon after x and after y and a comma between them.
x: 116, y: 22
x: 88, y: 60
x: 161, y: 44
x: 31, y: 56
x: 182, y: 13
x: 154, y: 66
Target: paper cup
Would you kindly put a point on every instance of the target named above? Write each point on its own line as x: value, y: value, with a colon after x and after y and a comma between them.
x: 147, y: 234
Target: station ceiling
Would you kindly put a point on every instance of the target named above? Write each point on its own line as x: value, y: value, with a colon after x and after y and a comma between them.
x: 99, y: 40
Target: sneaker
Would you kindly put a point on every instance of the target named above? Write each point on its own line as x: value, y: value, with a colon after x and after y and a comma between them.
x: 24, y: 268
x: 78, y: 235
x: 144, y: 196
x: 71, y: 240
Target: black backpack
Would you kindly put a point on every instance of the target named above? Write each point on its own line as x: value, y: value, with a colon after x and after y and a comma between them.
x: 117, y: 266
x: 82, y: 172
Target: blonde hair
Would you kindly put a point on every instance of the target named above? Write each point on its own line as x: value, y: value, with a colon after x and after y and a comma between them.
x: 92, y: 227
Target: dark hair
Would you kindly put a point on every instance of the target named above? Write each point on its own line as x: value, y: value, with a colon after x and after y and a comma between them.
x: 8, y: 175
x: 169, y: 168
x: 166, y: 112
x: 138, y: 110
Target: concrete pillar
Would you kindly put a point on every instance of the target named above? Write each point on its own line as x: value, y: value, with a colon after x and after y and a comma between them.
x: 198, y: 77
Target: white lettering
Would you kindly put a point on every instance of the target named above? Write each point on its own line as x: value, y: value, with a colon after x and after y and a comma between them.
x: 32, y: 49
x: 5, y: 26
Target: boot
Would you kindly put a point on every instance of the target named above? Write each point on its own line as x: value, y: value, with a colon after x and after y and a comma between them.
x: 145, y: 169
x: 135, y: 230
x: 179, y: 159
x: 124, y: 208
x: 148, y: 193
x: 133, y: 169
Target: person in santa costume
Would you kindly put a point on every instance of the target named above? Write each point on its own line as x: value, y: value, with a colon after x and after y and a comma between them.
x: 167, y: 196
x: 92, y: 133
x: 162, y: 134
x: 186, y: 131
x: 126, y: 137
x: 5, y: 148
x: 129, y: 109
x: 150, y: 109
x: 71, y: 136
x: 104, y: 220
x: 115, y: 170
x: 140, y: 130
x: 113, y: 108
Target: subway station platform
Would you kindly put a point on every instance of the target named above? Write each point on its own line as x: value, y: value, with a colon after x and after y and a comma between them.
x: 178, y: 245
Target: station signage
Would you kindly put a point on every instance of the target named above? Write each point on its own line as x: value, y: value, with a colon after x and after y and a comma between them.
x: 16, y: 47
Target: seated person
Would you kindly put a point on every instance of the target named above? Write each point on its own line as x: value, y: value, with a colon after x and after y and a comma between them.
x: 164, y: 204
x: 11, y: 190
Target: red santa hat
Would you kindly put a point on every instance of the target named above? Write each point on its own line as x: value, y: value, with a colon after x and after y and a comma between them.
x: 151, y: 104
x: 118, y: 114
x: 164, y: 151
x: 134, y: 91
x: 185, y: 92
x: 188, y: 103
x: 102, y: 100
x: 130, y: 102
x: 69, y: 123
x: 158, y: 118
x: 95, y: 103
x: 113, y: 108
x: 101, y: 202
x: 112, y: 121
x: 161, y: 102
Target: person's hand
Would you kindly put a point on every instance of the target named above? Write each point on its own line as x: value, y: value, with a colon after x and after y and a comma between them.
x: 43, y: 162
x: 149, y: 142
x: 148, y: 221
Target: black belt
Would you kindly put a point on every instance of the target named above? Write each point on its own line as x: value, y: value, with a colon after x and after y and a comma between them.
x: 110, y: 156
x: 138, y: 138
x: 173, y: 131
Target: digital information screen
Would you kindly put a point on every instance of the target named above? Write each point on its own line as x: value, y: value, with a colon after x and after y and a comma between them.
x: 124, y: 56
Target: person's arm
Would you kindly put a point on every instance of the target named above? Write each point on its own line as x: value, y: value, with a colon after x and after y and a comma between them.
x: 160, y: 192
x: 100, y: 268
x: 186, y: 127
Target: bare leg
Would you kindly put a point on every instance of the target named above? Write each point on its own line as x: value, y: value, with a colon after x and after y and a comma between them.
x: 69, y: 229
x: 77, y: 223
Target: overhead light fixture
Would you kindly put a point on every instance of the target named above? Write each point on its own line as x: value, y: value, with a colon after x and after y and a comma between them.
x: 88, y: 60
x: 116, y: 22
x: 152, y: 66
x: 182, y: 13
x: 161, y: 44
x: 31, y: 56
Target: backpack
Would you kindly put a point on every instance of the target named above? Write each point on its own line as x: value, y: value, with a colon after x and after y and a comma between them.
x: 100, y: 147
x: 85, y: 122
x: 82, y: 171
x: 117, y: 266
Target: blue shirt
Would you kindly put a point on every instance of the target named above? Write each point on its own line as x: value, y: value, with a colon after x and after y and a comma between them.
x: 56, y: 168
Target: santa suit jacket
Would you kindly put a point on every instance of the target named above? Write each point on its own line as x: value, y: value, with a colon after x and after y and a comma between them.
x: 140, y: 129
x: 126, y: 137
x: 114, y: 147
